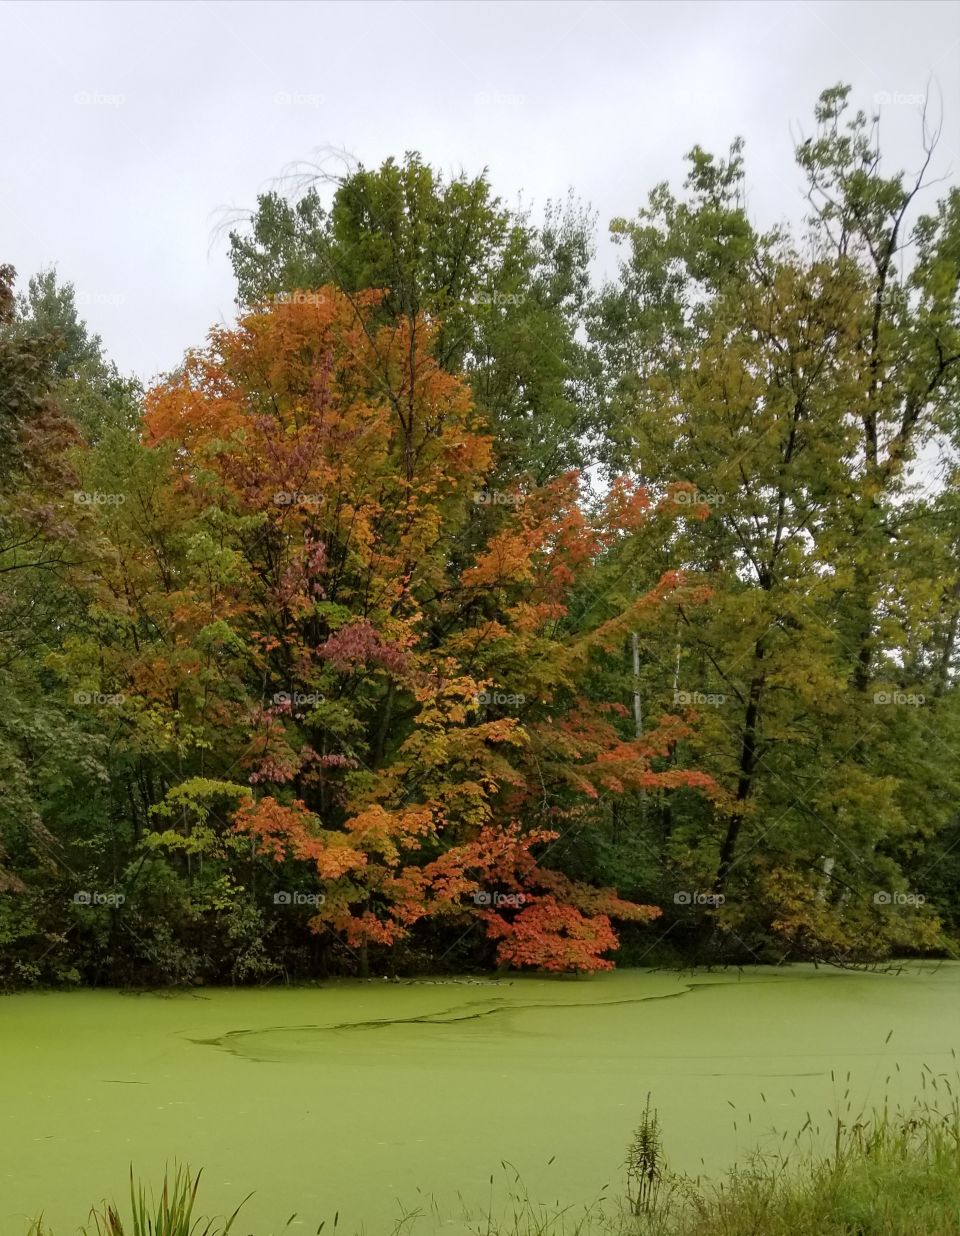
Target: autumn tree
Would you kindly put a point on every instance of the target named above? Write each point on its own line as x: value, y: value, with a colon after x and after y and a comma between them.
x: 498, y: 298
x: 416, y: 726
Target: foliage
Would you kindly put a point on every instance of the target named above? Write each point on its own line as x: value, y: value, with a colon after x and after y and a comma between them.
x: 784, y: 388
x: 332, y: 651
x: 503, y: 297
x: 335, y: 465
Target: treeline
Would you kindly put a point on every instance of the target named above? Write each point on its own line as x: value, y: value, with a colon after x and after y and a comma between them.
x: 452, y: 611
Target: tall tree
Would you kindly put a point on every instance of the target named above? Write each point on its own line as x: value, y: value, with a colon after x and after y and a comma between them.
x: 790, y: 384
x: 406, y: 708
x: 503, y: 298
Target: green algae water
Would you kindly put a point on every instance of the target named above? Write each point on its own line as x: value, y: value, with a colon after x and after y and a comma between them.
x: 367, y: 1097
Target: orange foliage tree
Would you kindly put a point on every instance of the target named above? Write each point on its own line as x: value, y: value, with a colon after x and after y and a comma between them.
x: 394, y: 640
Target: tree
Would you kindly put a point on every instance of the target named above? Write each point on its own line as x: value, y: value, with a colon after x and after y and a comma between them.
x: 406, y: 710
x: 789, y: 389
x: 500, y: 300
x: 86, y: 385
x: 40, y: 747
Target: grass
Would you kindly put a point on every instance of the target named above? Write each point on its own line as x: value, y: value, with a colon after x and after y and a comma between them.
x: 889, y: 1174
x: 885, y: 1174
x: 171, y: 1213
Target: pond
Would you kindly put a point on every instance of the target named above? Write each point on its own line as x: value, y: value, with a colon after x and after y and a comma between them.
x: 362, y: 1097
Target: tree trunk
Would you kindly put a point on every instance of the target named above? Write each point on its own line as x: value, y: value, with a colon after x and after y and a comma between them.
x: 748, y: 764
x: 637, y: 702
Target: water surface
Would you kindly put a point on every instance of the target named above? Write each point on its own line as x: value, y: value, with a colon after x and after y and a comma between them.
x: 355, y: 1097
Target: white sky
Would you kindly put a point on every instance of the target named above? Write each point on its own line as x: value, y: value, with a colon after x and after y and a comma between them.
x: 128, y: 128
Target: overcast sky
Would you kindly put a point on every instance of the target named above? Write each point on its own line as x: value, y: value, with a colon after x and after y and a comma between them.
x: 129, y: 128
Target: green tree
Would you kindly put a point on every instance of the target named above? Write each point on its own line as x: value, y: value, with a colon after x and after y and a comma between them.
x: 783, y: 387
x: 505, y: 297
x: 89, y: 387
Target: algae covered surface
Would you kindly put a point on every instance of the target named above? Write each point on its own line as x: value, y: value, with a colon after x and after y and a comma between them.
x: 365, y: 1098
